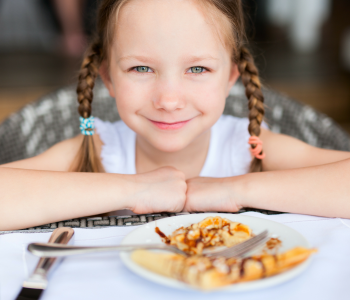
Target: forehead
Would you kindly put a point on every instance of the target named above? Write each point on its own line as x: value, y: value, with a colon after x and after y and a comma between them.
x: 166, y: 27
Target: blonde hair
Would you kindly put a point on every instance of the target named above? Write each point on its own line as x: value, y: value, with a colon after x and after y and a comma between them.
x: 231, y: 33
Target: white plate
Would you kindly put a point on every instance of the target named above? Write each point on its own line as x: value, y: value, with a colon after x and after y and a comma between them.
x: 146, y: 234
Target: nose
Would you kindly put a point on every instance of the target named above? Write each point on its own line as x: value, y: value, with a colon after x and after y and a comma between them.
x: 169, y: 98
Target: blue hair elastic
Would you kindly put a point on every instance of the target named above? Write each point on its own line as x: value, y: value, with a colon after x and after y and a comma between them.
x: 85, y: 124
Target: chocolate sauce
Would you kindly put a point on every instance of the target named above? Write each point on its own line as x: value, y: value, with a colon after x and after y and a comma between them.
x: 227, y: 229
x: 164, y: 238
x: 241, y: 269
x: 259, y: 260
x: 212, y: 237
x: 273, y: 243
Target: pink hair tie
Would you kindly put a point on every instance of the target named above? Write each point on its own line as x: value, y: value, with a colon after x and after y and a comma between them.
x: 254, y: 140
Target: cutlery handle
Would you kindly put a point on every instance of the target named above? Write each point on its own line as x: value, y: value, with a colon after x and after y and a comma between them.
x: 61, y: 236
x: 47, y: 250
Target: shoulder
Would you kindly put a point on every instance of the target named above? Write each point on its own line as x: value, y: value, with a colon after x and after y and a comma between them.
x: 106, y: 128
x: 231, y: 122
x: 228, y: 151
x: 228, y: 124
x: 118, y: 146
x: 66, y: 151
x: 231, y: 136
x: 57, y: 158
x: 230, y: 133
x: 113, y: 134
x: 61, y: 156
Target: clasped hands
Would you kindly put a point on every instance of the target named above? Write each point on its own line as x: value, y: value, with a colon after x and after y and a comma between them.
x: 166, y: 189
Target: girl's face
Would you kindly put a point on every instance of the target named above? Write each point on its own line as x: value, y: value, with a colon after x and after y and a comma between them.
x: 169, y: 72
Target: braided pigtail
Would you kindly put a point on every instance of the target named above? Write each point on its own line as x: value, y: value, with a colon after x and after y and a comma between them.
x: 87, y: 159
x: 250, y: 78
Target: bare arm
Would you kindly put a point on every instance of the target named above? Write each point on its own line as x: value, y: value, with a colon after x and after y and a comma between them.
x: 319, y: 190
x: 298, y: 178
x: 322, y: 190
x: 39, y: 190
x: 30, y: 197
x: 285, y: 152
x: 57, y: 158
x: 310, y: 180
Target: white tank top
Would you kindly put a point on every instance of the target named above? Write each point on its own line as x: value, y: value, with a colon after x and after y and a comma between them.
x: 228, y: 153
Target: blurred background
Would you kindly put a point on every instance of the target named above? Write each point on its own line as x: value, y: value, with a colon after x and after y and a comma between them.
x: 302, y: 49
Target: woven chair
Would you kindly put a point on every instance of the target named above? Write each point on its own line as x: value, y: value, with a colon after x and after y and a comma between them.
x: 54, y: 117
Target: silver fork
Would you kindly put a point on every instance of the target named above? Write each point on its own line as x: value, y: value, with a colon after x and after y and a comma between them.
x: 53, y: 250
x: 242, y: 248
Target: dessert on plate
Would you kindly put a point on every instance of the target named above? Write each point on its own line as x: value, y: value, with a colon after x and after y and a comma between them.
x: 211, y: 232
x: 209, y: 273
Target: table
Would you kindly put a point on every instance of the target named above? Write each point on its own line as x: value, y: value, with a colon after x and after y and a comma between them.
x: 103, y: 276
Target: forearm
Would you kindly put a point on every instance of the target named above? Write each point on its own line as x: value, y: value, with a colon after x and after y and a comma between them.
x: 320, y: 190
x: 30, y: 197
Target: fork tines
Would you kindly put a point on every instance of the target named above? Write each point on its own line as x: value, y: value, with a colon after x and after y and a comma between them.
x: 242, y: 248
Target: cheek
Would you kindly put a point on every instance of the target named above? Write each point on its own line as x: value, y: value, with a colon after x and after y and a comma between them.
x: 209, y: 97
x: 130, y: 97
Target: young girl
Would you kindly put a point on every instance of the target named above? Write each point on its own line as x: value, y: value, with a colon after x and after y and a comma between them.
x: 170, y: 65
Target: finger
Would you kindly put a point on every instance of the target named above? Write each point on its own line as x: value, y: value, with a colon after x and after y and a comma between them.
x: 185, y: 209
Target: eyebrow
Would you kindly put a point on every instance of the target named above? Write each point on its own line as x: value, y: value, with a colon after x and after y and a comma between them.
x: 142, y: 58
x: 194, y: 59
x: 145, y: 59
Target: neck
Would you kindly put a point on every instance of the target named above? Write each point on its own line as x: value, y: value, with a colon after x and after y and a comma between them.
x: 189, y: 160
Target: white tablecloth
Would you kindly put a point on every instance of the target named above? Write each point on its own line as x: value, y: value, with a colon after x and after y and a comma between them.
x: 103, y: 276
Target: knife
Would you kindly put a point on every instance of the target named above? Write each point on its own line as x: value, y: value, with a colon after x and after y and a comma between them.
x: 33, y: 287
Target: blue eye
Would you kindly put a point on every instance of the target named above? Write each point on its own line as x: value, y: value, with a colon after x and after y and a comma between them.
x: 197, y: 69
x: 142, y: 69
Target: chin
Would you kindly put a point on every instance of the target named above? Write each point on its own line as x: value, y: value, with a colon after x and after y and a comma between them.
x: 170, y: 145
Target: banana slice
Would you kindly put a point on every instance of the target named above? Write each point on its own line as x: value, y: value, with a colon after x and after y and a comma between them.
x: 211, y: 273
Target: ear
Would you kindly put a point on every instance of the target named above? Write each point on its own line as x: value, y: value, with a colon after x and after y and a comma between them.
x: 103, y: 70
x: 234, y: 74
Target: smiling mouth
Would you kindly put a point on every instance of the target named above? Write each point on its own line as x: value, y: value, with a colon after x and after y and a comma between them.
x: 170, y: 126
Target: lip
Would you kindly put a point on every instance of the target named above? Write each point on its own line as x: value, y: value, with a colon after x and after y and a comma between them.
x: 170, y: 126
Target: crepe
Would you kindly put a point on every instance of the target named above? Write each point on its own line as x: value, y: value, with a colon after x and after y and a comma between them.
x: 211, y: 273
x: 212, y: 231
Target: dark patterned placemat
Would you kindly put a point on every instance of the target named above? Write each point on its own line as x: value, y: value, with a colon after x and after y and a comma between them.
x: 104, y: 222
